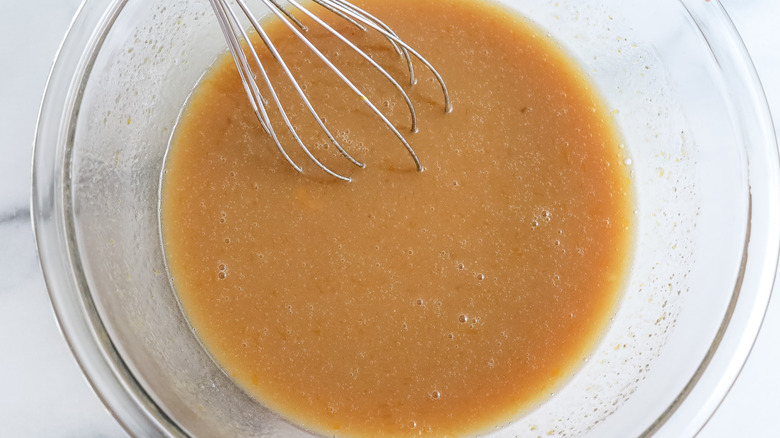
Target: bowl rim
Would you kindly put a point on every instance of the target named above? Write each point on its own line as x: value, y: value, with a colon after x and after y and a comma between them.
x: 135, y: 409
x: 74, y: 309
x: 731, y: 347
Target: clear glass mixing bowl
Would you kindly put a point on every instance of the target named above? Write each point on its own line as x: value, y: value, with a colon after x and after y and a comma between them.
x: 703, y: 158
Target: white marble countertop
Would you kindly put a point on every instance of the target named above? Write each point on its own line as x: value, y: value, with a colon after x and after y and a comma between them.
x: 42, y: 390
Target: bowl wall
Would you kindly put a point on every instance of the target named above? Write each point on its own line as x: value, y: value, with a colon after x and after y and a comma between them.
x: 697, y: 141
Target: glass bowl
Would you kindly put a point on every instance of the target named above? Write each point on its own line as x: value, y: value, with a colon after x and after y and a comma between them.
x: 703, y: 160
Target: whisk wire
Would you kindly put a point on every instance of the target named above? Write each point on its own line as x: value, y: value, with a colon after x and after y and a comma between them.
x: 363, y: 55
x: 338, y: 4
x: 234, y: 31
x: 258, y: 102
x: 275, y: 53
x: 341, y: 15
x: 350, y: 84
x: 336, y: 71
x: 400, y: 50
x: 290, y: 16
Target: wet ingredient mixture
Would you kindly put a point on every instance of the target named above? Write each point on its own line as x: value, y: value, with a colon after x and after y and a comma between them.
x: 439, y: 303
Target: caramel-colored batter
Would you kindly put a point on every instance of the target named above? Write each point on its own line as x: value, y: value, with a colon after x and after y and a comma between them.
x: 444, y: 302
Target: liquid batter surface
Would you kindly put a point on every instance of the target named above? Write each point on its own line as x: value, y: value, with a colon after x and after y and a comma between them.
x: 439, y: 303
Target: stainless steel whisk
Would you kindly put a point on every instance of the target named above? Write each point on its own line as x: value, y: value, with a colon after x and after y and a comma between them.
x: 234, y: 33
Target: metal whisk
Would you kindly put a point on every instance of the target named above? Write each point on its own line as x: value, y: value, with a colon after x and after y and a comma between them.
x: 234, y: 33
